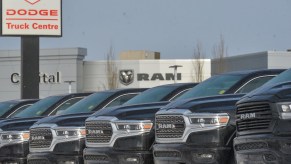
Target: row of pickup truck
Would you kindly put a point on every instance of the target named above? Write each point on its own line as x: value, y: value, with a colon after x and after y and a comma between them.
x: 236, y: 117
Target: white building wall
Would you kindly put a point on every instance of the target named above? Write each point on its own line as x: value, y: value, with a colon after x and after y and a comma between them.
x: 279, y: 59
x: 9, y: 64
x: 69, y: 62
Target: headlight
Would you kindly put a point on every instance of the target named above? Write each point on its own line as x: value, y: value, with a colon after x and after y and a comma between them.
x: 12, y: 136
x: 285, y: 107
x: 285, y: 110
x: 209, y: 119
x: 81, y: 132
x: 134, y: 125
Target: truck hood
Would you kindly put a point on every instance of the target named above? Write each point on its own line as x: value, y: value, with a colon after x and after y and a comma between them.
x: 18, y: 124
x: 205, y: 104
x: 272, y: 93
x: 77, y: 119
x: 211, y: 104
x: 144, y: 111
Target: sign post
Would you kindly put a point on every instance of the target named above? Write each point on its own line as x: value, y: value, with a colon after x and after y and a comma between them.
x: 31, y: 19
x: 29, y: 67
x: 175, y: 71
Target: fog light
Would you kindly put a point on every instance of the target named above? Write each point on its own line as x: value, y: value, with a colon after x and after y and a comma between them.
x: 132, y: 159
x: 205, y: 156
x: 68, y: 162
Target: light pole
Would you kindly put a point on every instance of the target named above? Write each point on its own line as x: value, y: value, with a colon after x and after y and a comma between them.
x: 175, y: 71
x: 70, y: 84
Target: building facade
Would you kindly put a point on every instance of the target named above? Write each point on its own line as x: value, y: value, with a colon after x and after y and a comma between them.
x: 57, y: 66
x: 258, y: 60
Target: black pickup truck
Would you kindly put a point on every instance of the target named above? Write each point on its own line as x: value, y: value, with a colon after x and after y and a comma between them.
x: 14, y: 131
x: 126, y: 135
x: 202, y: 130
x: 63, y: 138
x: 12, y: 107
x: 263, y: 121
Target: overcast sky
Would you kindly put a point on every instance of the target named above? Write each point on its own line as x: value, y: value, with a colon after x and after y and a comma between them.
x: 171, y: 27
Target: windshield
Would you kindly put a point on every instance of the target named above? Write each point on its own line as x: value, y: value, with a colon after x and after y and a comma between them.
x: 87, y: 104
x: 282, y: 77
x: 151, y: 95
x: 215, y: 85
x: 6, y: 106
x: 39, y: 107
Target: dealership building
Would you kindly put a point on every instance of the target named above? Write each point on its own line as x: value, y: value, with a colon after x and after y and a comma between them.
x: 66, y: 70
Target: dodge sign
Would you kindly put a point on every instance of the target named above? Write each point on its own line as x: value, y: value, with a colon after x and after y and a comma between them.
x: 31, y: 17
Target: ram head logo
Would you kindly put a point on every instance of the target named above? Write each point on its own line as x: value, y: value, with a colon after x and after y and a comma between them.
x: 126, y: 76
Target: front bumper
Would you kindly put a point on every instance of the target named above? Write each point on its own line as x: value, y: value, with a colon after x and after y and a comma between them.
x: 14, y: 153
x: 111, y: 156
x: 261, y: 149
x: 184, y: 154
x: 50, y: 158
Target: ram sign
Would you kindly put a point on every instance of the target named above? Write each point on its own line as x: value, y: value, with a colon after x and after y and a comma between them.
x: 31, y: 17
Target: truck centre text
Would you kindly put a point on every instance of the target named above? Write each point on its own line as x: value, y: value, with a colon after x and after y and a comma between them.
x: 35, y: 26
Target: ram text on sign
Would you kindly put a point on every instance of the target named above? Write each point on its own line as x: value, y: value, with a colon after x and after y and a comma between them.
x: 31, y: 17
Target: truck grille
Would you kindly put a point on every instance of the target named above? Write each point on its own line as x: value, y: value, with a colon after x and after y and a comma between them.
x: 37, y: 161
x: 172, y: 154
x: 251, y: 146
x: 170, y: 126
x: 40, y: 138
x: 98, y: 131
x: 97, y: 158
x: 253, y: 116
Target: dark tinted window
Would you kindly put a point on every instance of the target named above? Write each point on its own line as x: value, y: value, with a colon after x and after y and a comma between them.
x: 213, y: 86
x: 39, y: 107
x: 18, y: 110
x: 88, y: 104
x: 179, y: 94
x: 151, y: 95
x: 66, y: 105
x: 121, y: 100
x: 282, y: 77
x: 6, y: 106
x: 254, y: 84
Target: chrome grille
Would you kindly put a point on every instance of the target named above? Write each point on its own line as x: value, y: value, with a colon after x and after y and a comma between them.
x: 261, y: 121
x: 169, y: 126
x: 98, y: 131
x: 40, y: 138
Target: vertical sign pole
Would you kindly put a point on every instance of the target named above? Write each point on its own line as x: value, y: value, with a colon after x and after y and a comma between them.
x: 175, y: 75
x: 29, y: 67
x: 175, y: 71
